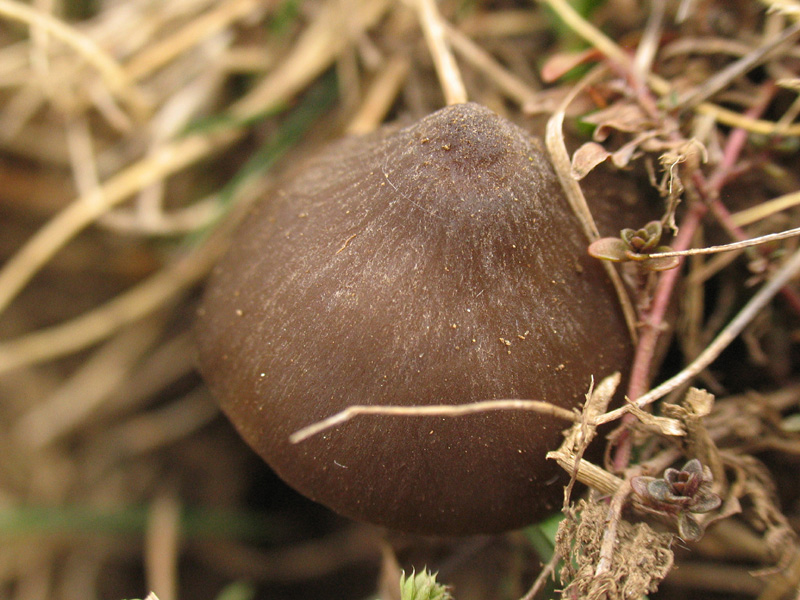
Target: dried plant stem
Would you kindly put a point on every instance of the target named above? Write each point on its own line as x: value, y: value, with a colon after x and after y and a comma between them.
x: 645, y: 350
x: 650, y: 42
x: 724, y: 77
x: 162, y: 546
x: 113, y: 74
x: 589, y: 32
x: 156, y: 55
x: 380, y: 95
x: 541, y: 579
x: 737, y: 140
x: 587, y: 473
x: 757, y: 241
x: 84, y: 391
x: 610, y: 49
x: 765, y: 209
x: 438, y: 410
x: 505, y: 23
x: 508, y: 83
x: 613, y: 516
x: 313, y: 52
x: 335, y: 26
x: 148, y: 431
x: 732, y: 118
x: 86, y: 209
x: 781, y: 277
x: 446, y: 67
x: 93, y: 326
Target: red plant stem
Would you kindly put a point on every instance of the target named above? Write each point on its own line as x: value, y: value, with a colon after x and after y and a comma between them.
x: 709, y: 191
x: 653, y: 323
x: 652, y: 328
x: 736, y: 141
x: 726, y: 168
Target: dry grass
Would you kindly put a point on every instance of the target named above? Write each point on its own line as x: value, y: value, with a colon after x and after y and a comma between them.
x: 132, y: 136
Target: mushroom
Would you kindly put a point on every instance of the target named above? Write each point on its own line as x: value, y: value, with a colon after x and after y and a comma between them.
x: 435, y: 264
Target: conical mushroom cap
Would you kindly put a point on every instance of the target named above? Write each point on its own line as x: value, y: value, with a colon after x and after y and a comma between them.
x: 436, y: 264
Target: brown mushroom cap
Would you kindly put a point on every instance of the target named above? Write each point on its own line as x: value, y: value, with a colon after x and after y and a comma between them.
x: 437, y: 264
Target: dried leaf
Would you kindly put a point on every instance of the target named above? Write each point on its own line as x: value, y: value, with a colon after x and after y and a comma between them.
x: 621, y: 117
x: 698, y: 402
x: 663, y: 263
x: 663, y: 425
x: 586, y: 158
x: 561, y: 63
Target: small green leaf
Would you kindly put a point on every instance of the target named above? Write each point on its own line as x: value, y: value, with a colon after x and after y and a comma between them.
x: 238, y: 590
x: 688, y: 528
x: 705, y: 503
x: 542, y: 536
x: 694, y: 466
x: 658, y: 489
x: 662, y: 263
x: 422, y: 586
x: 610, y: 248
x: 639, y: 484
x: 654, y: 230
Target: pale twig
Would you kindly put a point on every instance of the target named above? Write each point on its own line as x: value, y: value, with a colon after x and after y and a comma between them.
x: 380, y: 95
x: 313, y: 53
x: 446, y: 68
x: 506, y: 23
x: 739, y: 67
x: 781, y: 277
x: 587, y: 473
x: 541, y: 579
x: 651, y: 39
x: 193, y: 33
x: 757, y: 241
x: 765, y: 209
x: 152, y: 293
x: 162, y: 546
x: 86, y: 209
x: 195, y: 217
x: 100, y: 322
x: 82, y: 157
x: 80, y: 395
x: 18, y: 111
x: 148, y: 431
x: 508, y: 83
x: 335, y: 26
x: 613, y: 516
x: 115, y: 77
x: 438, y: 410
x: 149, y: 295
x: 590, y: 33
x: 732, y: 118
